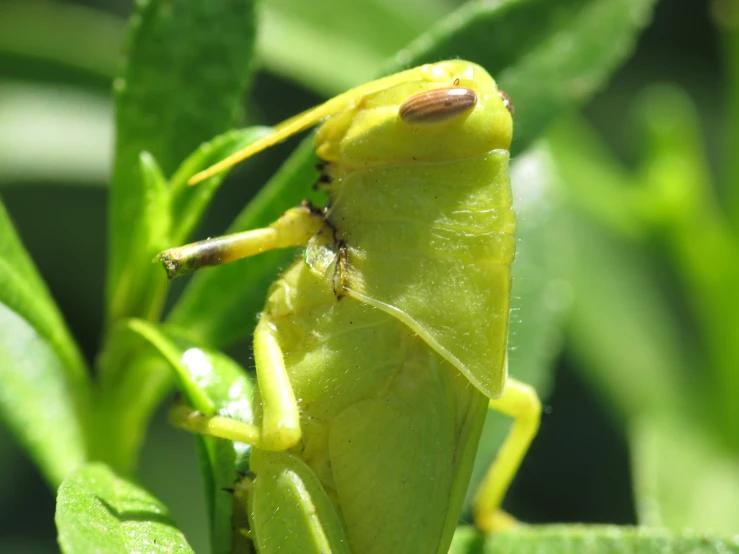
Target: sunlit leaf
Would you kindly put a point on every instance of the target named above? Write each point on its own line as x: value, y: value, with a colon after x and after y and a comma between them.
x: 548, y: 56
x: 211, y: 383
x: 97, y: 511
x: 187, y: 68
x: 45, y: 380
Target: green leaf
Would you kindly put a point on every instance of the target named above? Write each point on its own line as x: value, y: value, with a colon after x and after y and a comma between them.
x: 679, y: 201
x: 149, y: 236
x: 541, y: 295
x: 331, y: 58
x: 36, y: 400
x: 675, y: 171
x: 97, y: 511
x: 548, y: 56
x: 593, y: 180
x: 125, y: 371
x: 72, y: 36
x: 211, y: 382
x: 36, y: 121
x: 219, y: 306
x: 188, y: 203
x: 669, y: 201
x: 683, y: 478
x: 724, y: 15
x: 187, y: 67
x: 132, y: 381
x: 621, y: 330
x: 25, y: 292
x: 467, y: 540
x: 582, y: 539
x: 45, y: 392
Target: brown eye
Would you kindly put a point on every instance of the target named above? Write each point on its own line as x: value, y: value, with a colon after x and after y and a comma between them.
x: 507, y: 102
x: 437, y: 105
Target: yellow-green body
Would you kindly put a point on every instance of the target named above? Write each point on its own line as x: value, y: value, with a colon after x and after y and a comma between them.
x: 379, y: 351
x: 389, y: 424
x: 389, y: 428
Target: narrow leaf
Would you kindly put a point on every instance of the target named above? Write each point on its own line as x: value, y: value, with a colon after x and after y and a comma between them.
x: 593, y: 180
x: 541, y: 296
x: 220, y: 305
x: 36, y: 401
x: 149, y: 236
x: 70, y: 35
x: 27, y: 294
x: 548, y: 56
x: 97, y: 511
x: 45, y: 381
x: 683, y: 478
x: 211, y: 382
x: 621, y: 329
x: 679, y: 200
x: 188, y: 203
x: 330, y: 57
x: 187, y: 67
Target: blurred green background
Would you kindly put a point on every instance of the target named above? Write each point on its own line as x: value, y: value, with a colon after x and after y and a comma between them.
x: 57, y: 62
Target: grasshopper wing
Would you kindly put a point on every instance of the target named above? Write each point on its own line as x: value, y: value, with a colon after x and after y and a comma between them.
x: 393, y: 461
x: 432, y: 244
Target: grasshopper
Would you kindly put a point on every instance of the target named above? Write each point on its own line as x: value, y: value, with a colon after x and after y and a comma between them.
x: 381, y: 349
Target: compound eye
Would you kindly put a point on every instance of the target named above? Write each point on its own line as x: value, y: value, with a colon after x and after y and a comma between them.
x: 437, y: 105
x: 507, y: 102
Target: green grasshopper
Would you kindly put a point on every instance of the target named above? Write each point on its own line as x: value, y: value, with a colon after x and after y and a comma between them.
x: 380, y: 350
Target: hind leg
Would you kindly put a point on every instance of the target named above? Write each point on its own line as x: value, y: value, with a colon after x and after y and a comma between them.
x: 520, y: 402
x: 289, y: 510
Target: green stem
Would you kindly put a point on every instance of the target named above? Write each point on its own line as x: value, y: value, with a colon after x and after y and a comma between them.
x: 132, y: 383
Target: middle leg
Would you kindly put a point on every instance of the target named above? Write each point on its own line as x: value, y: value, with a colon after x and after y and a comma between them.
x: 280, y: 428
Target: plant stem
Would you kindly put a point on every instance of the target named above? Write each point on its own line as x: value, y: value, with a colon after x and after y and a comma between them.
x: 132, y: 382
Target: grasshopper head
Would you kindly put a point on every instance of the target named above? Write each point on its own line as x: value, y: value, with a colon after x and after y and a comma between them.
x: 449, y: 110
x: 444, y: 111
